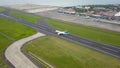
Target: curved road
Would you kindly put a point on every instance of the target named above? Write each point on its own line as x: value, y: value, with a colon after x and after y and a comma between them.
x: 46, y: 29
x: 13, y: 53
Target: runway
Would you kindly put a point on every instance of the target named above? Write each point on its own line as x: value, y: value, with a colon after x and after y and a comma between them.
x: 42, y: 26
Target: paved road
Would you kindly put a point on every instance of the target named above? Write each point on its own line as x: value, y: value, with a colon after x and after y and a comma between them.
x: 45, y: 28
x: 16, y: 57
x: 99, y: 23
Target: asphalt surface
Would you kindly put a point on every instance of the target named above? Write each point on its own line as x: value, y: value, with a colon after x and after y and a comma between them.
x: 43, y: 27
x: 99, y: 23
x: 16, y: 57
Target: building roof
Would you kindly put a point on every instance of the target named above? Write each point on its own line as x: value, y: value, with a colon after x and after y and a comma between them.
x: 70, y: 10
x: 117, y: 14
x: 109, y: 13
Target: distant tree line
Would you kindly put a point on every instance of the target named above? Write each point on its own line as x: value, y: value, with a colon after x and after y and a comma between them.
x: 107, y: 7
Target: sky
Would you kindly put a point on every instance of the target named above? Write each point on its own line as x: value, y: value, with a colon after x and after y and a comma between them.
x: 59, y: 2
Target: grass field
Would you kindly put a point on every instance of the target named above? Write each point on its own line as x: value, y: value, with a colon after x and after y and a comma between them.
x: 1, y: 9
x: 9, y: 32
x: 64, y: 54
x: 25, y: 16
x: 101, y: 35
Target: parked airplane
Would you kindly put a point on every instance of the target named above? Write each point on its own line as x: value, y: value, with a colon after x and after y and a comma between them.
x: 61, y: 32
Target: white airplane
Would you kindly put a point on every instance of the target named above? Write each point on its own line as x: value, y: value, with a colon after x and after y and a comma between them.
x: 61, y: 32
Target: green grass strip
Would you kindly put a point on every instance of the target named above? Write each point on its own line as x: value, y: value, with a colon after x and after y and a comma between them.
x: 9, y: 32
x: 28, y: 17
x: 1, y: 9
x: 97, y: 34
x: 64, y: 54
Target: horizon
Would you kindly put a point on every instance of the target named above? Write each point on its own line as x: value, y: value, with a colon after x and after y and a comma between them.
x: 60, y: 3
x: 55, y: 5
